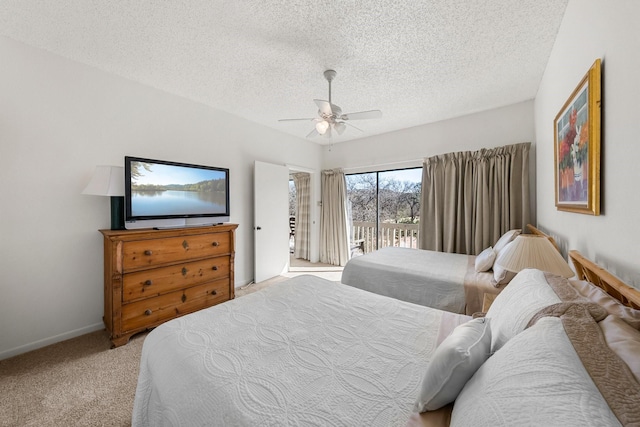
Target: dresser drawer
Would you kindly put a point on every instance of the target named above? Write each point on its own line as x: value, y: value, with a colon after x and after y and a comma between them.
x: 151, y: 276
x: 149, y: 253
x: 161, y: 280
x: 153, y: 311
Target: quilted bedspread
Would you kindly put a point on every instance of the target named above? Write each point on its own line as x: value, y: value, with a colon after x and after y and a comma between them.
x: 429, y: 278
x: 301, y: 352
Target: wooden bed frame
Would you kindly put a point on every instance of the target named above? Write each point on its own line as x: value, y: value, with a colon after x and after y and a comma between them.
x: 533, y: 230
x: 588, y: 270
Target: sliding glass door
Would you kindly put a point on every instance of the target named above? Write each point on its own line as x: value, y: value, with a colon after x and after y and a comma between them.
x: 385, y: 208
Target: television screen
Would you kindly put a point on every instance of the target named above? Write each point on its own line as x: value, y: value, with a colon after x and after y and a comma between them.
x: 174, y: 194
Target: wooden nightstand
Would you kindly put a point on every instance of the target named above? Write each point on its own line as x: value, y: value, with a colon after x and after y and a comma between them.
x: 487, y: 300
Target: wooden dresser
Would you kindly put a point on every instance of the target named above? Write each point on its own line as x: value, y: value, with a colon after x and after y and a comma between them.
x: 151, y: 276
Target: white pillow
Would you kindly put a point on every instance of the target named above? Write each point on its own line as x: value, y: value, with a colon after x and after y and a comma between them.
x: 501, y: 276
x: 536, y: 379
x: 595, y: 294
x: 514, y: 307
x: 453, y: 363
x: 505, y: 239
x: 624, y: 340
x: 485, y: 259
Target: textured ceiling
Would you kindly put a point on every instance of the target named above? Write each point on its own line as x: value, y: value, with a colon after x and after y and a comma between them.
x: 417, y: 61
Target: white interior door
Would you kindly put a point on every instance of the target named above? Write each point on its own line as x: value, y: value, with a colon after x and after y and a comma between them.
x: 271, y: 220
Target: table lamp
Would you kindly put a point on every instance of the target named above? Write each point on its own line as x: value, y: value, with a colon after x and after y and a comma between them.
x: 532, y: 251
x: 109, y: 181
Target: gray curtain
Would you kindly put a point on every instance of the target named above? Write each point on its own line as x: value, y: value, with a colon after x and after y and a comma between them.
x: 334, y: 240
x: 469, y: 199
x: 302, y: 181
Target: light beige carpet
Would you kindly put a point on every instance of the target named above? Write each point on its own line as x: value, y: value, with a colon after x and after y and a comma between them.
x: 78, y: 382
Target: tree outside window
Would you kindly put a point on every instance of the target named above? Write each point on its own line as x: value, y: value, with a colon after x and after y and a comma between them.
x: 384, y: 198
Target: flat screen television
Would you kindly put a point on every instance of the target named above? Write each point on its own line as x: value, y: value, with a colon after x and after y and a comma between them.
x: 163, y: 194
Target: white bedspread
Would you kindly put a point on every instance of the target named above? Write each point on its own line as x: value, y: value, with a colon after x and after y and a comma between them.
x: 302, y: 352
x: 429, y: 278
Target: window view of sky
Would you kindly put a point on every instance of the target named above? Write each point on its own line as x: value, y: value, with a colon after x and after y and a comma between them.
x: 411, y: 175
x: 171, y: 174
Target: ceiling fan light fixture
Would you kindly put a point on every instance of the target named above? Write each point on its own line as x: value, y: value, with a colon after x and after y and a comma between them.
x: 329, y: 114
x: 322, y: 127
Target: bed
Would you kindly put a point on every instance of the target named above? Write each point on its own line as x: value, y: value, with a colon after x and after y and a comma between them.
x: 434, y: 279
x: 312, y: 352
x: 265, y: 356
x: 447, y: 281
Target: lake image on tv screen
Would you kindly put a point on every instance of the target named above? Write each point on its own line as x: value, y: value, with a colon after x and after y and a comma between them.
x: 158, y: 189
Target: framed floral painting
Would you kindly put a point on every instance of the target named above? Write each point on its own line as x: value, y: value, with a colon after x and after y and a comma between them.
x: 577, y: 147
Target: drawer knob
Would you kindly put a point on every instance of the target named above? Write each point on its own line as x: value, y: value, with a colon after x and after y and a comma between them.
x: 148, y: 252
x: 147, y: 312
x: 214, y: 268
x: 184, y: 271
x: 213, y: 292
x: 148, y: 282
x: 216, y: 243
x: 184, y: 298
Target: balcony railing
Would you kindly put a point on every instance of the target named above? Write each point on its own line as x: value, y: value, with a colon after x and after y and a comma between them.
x: 400, y: 235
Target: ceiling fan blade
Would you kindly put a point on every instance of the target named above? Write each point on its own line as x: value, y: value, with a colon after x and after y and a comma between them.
x: 313, y: 133
x: 324, y: 106
x: 355, y: 127
x: 371, y: 114
x: 295, y: 120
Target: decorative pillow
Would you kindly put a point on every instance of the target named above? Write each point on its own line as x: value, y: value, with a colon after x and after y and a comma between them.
x: 536, y: 379
x: 612, y: 305
x: 514, y: 307
x: 624, y: 340
x: 501, y: 276
x: 505, y: 239
x: 485, y: 259
x: 453, y: 363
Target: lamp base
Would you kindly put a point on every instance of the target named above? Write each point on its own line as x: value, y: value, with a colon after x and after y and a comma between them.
x: 117, y: 212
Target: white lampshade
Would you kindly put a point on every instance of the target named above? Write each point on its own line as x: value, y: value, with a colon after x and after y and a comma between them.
x: 322, y: 127
x: 340, y: 127
x: 106, y: 181
x: 531, y: 251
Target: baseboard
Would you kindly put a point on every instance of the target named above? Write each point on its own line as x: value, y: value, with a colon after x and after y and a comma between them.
x: 51, y: 340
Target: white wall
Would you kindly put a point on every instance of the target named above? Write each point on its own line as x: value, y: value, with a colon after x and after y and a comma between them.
x: 58, y: 120
x: 609, y: 30
x: 408, y: 147
x: 493, y: 128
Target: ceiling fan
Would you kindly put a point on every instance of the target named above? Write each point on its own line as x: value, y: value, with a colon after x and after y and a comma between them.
x: 330, y: 116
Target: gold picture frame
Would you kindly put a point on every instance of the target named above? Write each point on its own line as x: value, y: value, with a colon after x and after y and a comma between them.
x: 577, y: 147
